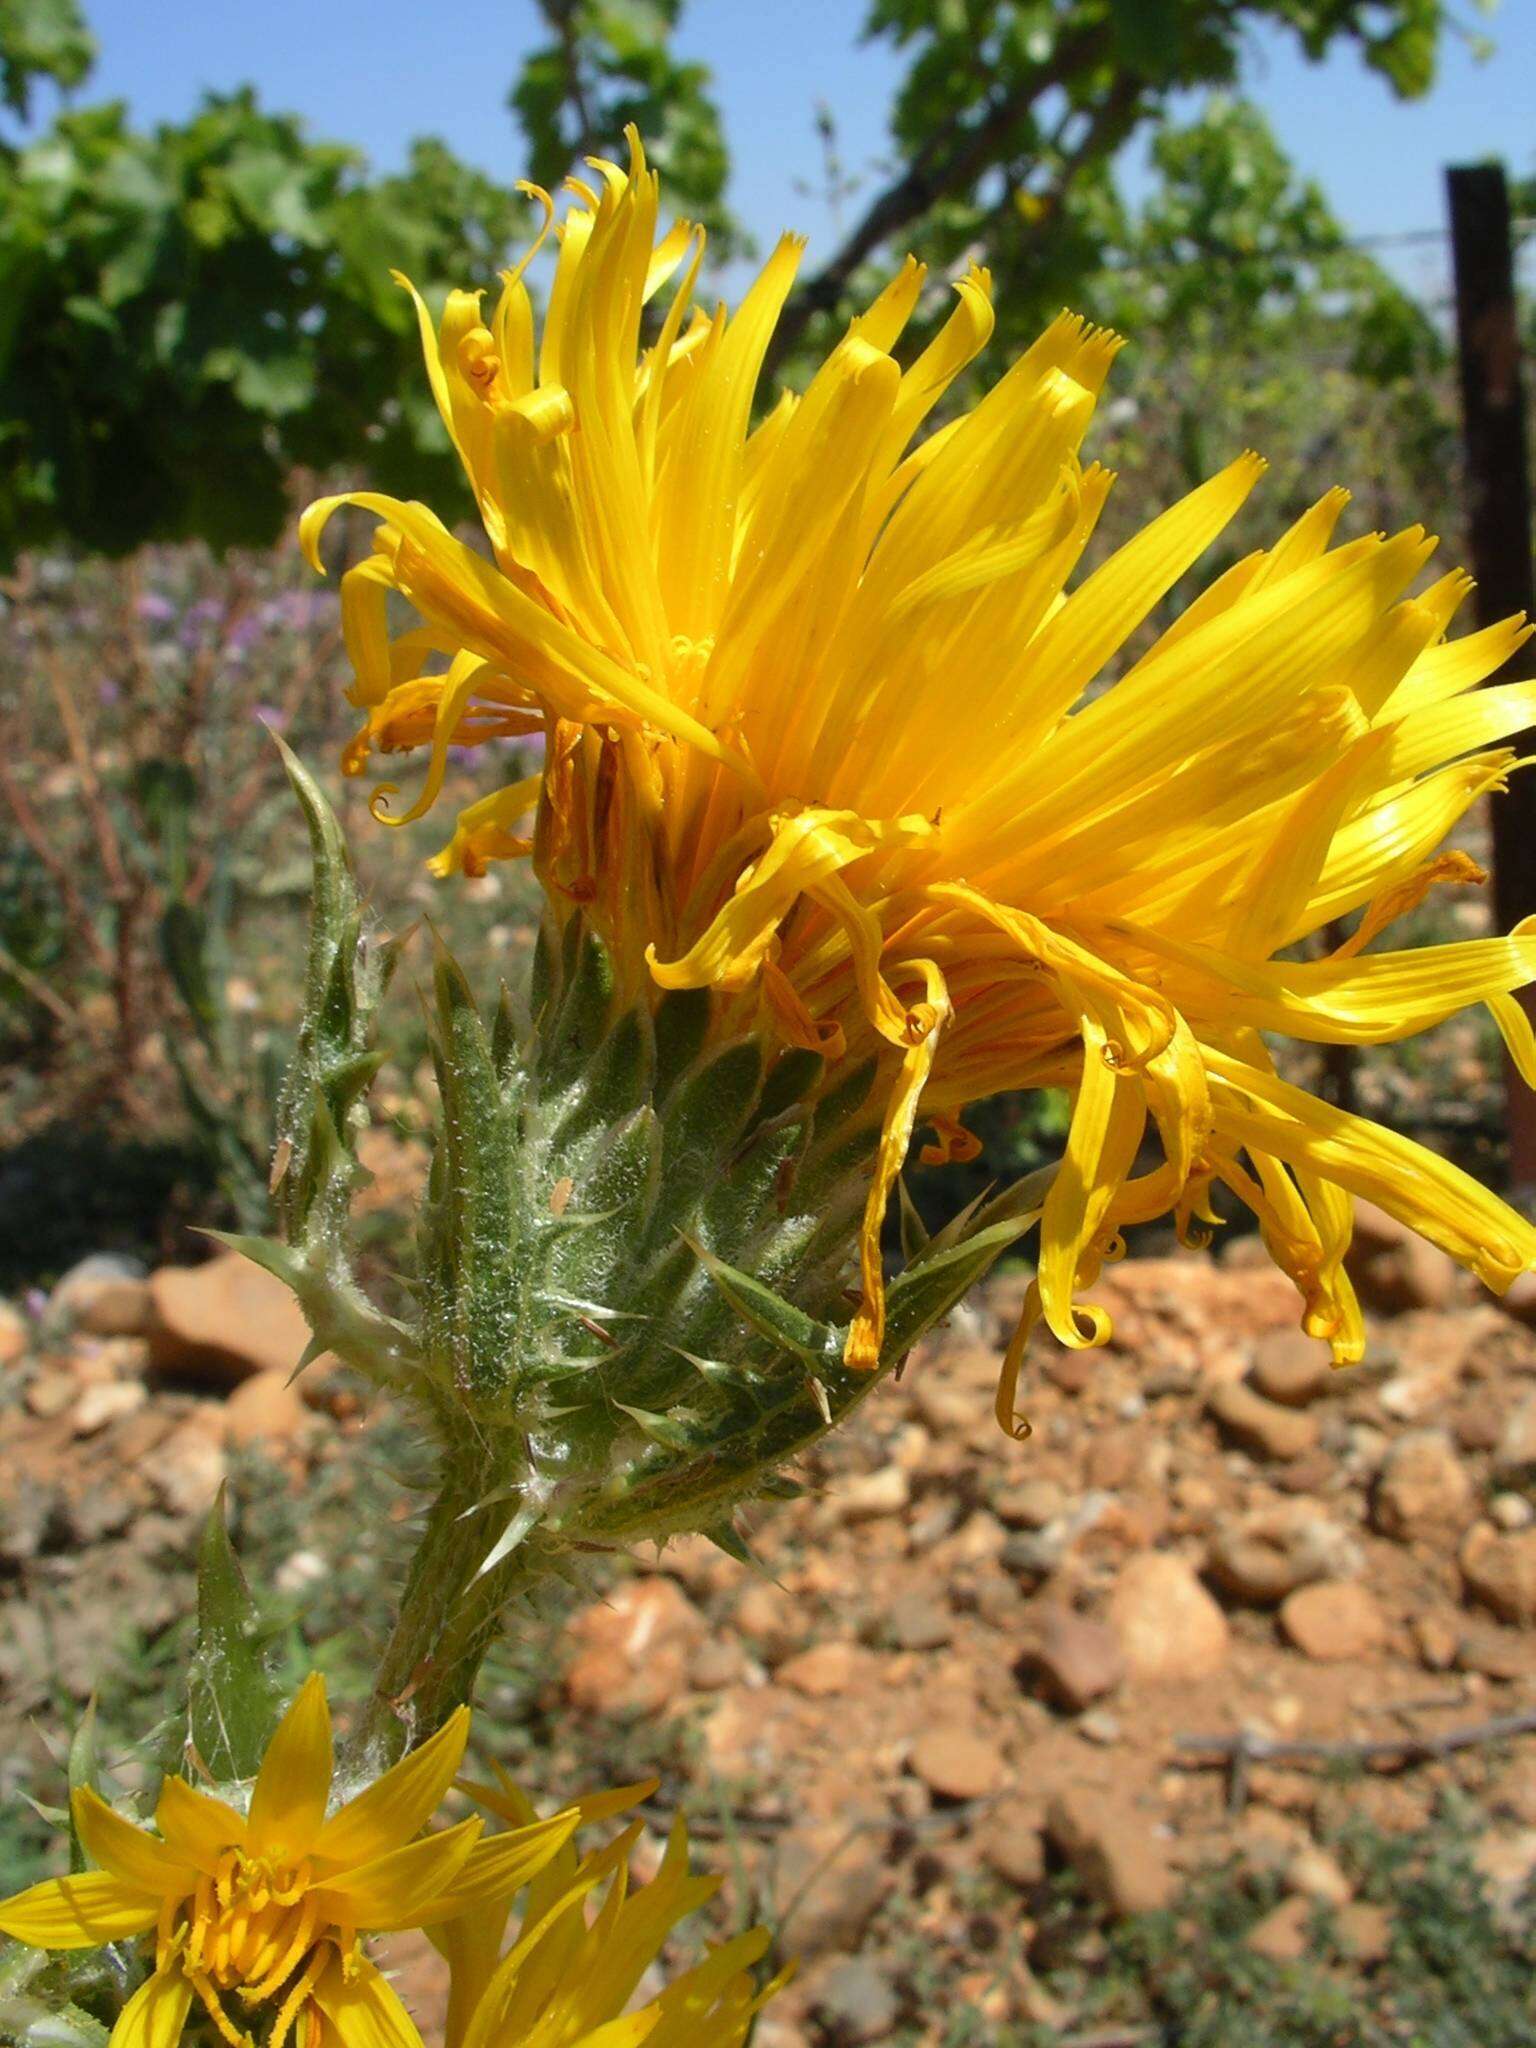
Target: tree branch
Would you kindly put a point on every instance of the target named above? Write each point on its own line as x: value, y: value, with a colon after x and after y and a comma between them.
x: 948, y: 164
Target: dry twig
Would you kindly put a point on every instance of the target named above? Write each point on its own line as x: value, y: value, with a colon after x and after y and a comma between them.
x: 1240, y: 1751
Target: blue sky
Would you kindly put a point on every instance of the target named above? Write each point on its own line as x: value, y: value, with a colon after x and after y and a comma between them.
x: 376, y: 72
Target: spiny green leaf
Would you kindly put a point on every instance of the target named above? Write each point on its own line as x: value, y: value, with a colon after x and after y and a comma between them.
x: 928, y: 1290
x: 771, y: 1316
x: 233, y: 1696
x: 84, y: 1773
x: 914, y: 1233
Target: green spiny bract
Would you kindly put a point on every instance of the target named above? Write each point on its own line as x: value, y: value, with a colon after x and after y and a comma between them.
x: 635, y: 1247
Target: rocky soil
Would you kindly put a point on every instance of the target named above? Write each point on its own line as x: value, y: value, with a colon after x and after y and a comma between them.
x: 966, y: 1663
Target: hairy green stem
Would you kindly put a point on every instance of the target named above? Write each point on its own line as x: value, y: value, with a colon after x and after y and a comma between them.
x: 449, y: 1617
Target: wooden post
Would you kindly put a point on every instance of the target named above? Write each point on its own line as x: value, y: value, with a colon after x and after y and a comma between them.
x: 1499, y: 502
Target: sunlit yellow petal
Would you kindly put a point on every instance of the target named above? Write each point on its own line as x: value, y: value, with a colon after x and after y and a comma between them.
x: 501, y: 1865
x: 127, y: 1851
x: 79, y: 1912
x: 365, y: 2012
x: 289, y: 1798
x: 156, y: 2014
x: 397, y: 1806
x: 395, y: 1889
x: 197, y: 1827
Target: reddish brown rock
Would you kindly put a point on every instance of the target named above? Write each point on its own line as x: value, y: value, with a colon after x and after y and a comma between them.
x: 872, y: 1495
x: 715, y: 1664
x: 771, y: 1620
x: 1514, y: 1459
x: 265, y: 1409
x: 15, y: 1333
x: 108, y: 1402
x: 956, y: 1763
x: 1075, y: 1661
x: 186, y: 1469
x: 1260, y: 1558
x: 1169, y: 1627
x: 1313, y: 1874
x: 1364, y: 1931
x: 1262, y: 1427
x: 104, y: 1295
x: 1030, y: 1503
x: 51, y: 1389
x: 1505, y: 1654
x: 839, y: 1884
x: 1437, y: 1638
x: 1395, y: 1269
x: 632, y: 1651
x: 223, y: 1321
x: 1506, y: 1863
x: 1285, y: 1934
x: 1422, y: 1491
x: 1500, y: 1571
x: 915, y: 1622
x: 1115, y: 1854
x: 1333, y: 1624
x: 1290, y: 1367
x: 825, y: 1670
x: 946, y: 1407
x: 1011, y: 1844
x: 1519, y: 1300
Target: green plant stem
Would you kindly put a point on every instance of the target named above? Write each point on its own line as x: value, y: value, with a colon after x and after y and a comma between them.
x: 449, y: 1617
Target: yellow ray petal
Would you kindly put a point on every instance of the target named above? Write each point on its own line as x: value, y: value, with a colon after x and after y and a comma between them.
x: 1395, y: 901
x: 1304, y: 541
x: 392, y: 1890
x: 1430, y: 737
x: 696, y: 503
x: 365, y: 592
x: 866, y: 1333
x: 489, y: 2028
x: 502, y: 1865
x: 396, y: 1806
x: 805, y: 850
x: 1426, y: 1192
x: 127, y: 1851
x: 1107, y: 1122
x: 156, y: 2014
x: 289, y: 1798
x: 621, y: 2033
x: 1515, y: 1028
x: 1458, y: 665
x: 79, y: 1912
x: 1098, y: 618
x: 483, y: 832
x: 451, y: 584
x: 359, y: 2004
x: 1387, y: 845
x: 196, y: 1827
x: 1281, y: 881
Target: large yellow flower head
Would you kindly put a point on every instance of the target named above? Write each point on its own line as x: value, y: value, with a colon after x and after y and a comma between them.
x: 584, y: 1939
x: 257, y: 1911
x: 825, y: 732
